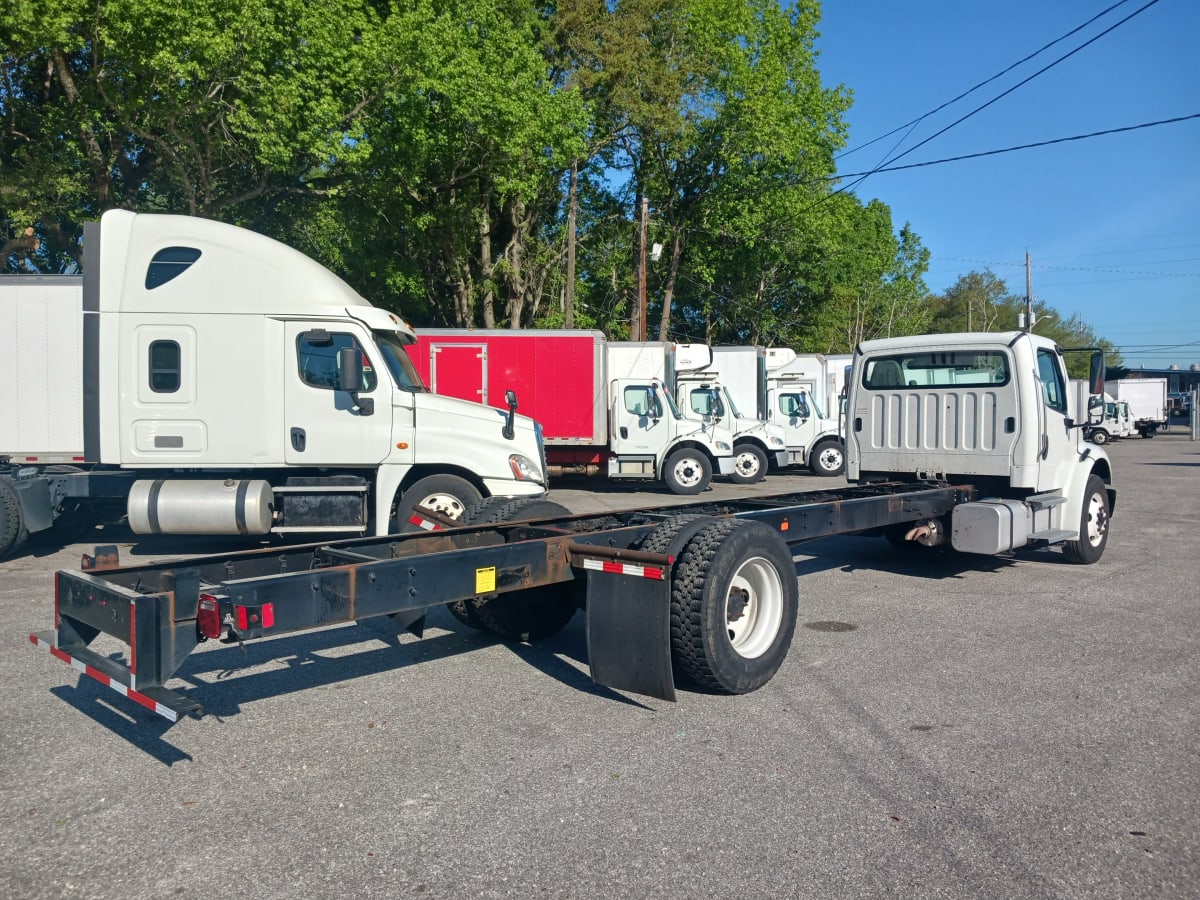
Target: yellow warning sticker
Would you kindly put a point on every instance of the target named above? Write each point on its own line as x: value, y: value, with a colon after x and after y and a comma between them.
x: 485, y: 580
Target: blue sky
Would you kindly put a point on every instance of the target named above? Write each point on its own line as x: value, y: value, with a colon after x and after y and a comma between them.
x: 1112, y: 223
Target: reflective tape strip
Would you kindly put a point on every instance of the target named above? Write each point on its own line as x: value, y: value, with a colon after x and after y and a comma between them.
x: 139, y: 698
x: 423, y: 523
x: 599, y: 565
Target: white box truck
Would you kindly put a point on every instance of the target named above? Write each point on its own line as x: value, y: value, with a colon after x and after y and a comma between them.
x: 204, y: 379
x: 804, y: 398
x: 1147, y: 399
x: 728, y: 385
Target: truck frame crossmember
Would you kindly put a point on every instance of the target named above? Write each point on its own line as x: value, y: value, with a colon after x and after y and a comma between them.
x: 164, y: 611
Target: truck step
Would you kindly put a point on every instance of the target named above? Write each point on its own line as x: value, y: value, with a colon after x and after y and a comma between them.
x: 1053, y: 536
x: 1045, y: 501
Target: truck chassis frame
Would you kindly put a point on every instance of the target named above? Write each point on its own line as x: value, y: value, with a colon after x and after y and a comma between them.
x: 164, y: 611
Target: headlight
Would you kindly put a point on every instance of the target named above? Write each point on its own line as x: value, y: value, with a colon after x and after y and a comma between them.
x: 524, y: 468
x: 721, y: 445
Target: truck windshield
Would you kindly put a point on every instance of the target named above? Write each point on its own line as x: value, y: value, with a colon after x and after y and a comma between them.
x: 732, y: 407
x: 670, y: 401
x: 402, y: 369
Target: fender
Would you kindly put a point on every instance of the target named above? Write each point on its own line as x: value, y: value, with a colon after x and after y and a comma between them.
x: 1071, y: 512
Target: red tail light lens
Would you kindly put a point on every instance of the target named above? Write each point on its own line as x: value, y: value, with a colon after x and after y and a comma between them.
x: 208, y: 617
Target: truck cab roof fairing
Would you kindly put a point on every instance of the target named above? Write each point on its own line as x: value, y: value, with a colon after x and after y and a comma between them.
x: 236, y: 271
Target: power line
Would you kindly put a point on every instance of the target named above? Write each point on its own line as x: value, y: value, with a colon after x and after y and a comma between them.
x: 986, y: 81
x: 1047, y: 143
x: 1024, y: 81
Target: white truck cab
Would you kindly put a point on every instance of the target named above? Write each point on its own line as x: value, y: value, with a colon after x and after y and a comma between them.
x: 994, y: 410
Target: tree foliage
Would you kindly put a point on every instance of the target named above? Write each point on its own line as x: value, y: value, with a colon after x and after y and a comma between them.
x: 480, y: 162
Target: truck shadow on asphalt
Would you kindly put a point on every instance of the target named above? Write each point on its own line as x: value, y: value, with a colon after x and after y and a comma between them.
x: 225, y: 678
x: 222, y: 678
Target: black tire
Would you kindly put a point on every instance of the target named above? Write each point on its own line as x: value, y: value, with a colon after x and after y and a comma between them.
x: 734, y: 602
x: 529, y: 615
x: 12, y: 523
x: 749, y: 464
x: 687, y: 471
x: 828, y: 459
x: 1098, y: 436
x: 1093, y: 525
x: 448, y: 494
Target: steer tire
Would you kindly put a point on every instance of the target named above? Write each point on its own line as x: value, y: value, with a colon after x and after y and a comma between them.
x: 749, y: 464
x: 12, y: 523
x: 734, y: 602
x: 449, y: 495
x: 828, y: 459
x: 529, y: 615
x: 1098, y: 436
x: 687, y: 471
x: 1093, y: 525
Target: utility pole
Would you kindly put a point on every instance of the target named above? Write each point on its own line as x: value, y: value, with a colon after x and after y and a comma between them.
x: 641, y: 313
x: 1028, y: 296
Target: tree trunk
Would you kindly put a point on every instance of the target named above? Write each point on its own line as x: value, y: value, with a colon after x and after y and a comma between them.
x: 664, y: 326
x: 569, y: 289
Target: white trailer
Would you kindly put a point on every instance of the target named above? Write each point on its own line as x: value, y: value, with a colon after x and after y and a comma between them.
x: 1147, y: 399
x: 204, y: 379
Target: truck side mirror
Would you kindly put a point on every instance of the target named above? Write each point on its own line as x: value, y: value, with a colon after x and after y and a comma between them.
x: 351, y: 380
x: 1096, y: 374
x: 509, y: 430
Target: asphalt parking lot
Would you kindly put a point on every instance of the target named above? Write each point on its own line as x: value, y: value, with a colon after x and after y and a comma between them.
x: 955, y: 727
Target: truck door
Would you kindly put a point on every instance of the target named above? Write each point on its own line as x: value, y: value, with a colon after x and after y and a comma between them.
x: 642, y: 423
x: 324, y: 426
x: 1057, y: 452
x: 792, y: 407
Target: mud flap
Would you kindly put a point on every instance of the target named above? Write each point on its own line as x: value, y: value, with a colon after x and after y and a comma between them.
x: 629, y: 634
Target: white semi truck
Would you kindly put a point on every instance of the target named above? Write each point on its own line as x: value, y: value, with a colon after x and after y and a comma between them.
x: 204, y: 379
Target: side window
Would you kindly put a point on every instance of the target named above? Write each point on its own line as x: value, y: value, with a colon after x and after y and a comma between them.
x: 164, y: 367
x: 701, y: 402
x: 168, y: 263
x: 640, y: 401
x: 793, y: 405
x: 1054, y: 390
x: 317, y: 355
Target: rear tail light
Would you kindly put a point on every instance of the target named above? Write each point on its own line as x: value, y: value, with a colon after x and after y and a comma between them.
x: 208, y: 617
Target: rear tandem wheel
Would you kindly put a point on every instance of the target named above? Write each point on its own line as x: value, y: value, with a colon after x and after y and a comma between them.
x: 734, y: 601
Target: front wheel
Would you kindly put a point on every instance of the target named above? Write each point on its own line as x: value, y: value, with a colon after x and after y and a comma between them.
x: 828, y: 459
x: 1093, y: 525
x: 687, y: 471
x: 749, y: 464
x: 1099, y: 437
x: 449, y: 495
x: 733, y: 606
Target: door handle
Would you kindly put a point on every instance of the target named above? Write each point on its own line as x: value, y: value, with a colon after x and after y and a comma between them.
x: 624, y: 432
x: 298, y: 439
